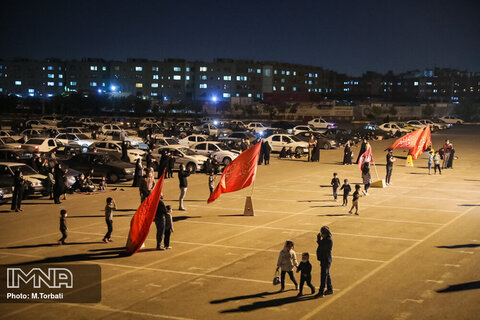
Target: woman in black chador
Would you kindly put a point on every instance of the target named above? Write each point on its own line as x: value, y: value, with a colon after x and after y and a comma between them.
x: 347, y: 154
x: 59, y: 186
x: 18, y: 190
x: 324, y: 255
x: 363, y: 148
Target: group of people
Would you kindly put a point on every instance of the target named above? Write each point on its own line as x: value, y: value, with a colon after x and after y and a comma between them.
x: 287, y: 261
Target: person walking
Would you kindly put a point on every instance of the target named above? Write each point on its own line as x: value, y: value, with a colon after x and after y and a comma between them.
x: 446, y: 153
x: 267, y: 151
x: 335, y: 184
x: 138, y: 173
x: 63, y: 226
x: 305, y: 267
x: 390, y: 160
x: 160, y: 219
x: 168, y: 228
x: 51, y: 182
x: 59, y: 187
x: 109, y: 207
x: 324, y: 255
x: 366, y: 177
x: 211, y: 182
x: 125, y: 152
x: 183, y: 184
x: 18, y: 191
x: 316, y: 152
x: 171, y: 165
x: 431, y: 155
x: 347, y: 154
x: 436, y: 161
x: 287, y: 260
x: 356, y: 196
x: 311, y: 145
x: 346, y: 191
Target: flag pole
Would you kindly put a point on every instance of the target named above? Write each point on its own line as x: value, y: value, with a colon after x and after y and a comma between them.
x: 376, y: 172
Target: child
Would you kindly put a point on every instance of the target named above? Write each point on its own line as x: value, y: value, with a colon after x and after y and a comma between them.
x: 168, y: 228
x: 287, y: 259
x: 356, y: 196
x: 436, y: 161
x: 306, y: 273
x: 63, y: 226
x: 211, y: 182
x: 111, y: 205
x: 346, y: 191
x: 431, y: 155
x: 335, y: 184
x: 103, y: 184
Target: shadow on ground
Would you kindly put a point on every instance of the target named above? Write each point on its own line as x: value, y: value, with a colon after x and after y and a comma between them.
x: 43, y: 245
x: 461, y: 287
x: 459, y: 246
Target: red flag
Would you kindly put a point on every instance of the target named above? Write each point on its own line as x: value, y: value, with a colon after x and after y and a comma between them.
x: 143, y: 218
x: 424, y: 141
x: 239, y: 174
x: 367, y: 156
x: 408, y: 141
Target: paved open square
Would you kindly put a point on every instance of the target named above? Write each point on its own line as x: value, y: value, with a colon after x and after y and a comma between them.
x: 412, y: 253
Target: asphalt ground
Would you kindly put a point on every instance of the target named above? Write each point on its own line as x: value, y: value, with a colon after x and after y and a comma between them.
x: 412, y: 253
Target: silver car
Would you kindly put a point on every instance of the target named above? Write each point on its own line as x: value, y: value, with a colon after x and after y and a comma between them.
x: 193, y: 162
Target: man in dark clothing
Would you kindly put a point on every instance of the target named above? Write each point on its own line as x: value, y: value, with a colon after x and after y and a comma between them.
x: 18, y: 190
x: 306, y: 273
x: 59, y: 187
x: 215, y: 164
x: 160, y: 223
x: 262, y: 152
x: 125, y: 152
x: 335, y: 184
x: 267, y: 150
x: 183, y: 184
x: 163, y: 165
x: 243, y: 145
x: 138, y: 173
x: 150, y: 159
x: 171, y: 164
x: 324, y: 255
x: 390, y: 161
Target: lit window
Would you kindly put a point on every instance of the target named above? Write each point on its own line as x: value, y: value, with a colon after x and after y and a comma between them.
x: 203, y: 77
x: 275, y: 71
x: 428, y: 83
x: 249, y: 95
x: 267, y: 72
x: 154, y: 85
x: 18, y: 83
x: 60, y: 84
x: 177, y: 69
x: 187, y: 69
x: 139, y: 85
x: 287, y: 73
x: 138, y: 68
x: 310, y: 75
x: 51, y: 75
x: 237, y: 94
x: 415, y: 83
x: 60, y: 76
x: 310, y: 82
x: 294, y: 73
x: 177, y: 77
x: 154, y: 94
x: 116, y: 68
x: 283, y: 80
x: 258, y: 95
x: 274, y: 88
x: 1, y: 89
x: 250, y: 70
x: 294, y: 89
x: 154, y: 68
x: 226, y: 95
x: 283, y: 71
x: 73, y: 83
x: 92, y: 68
x: 203, y: 69
x: 435, y: 90
x: 31, y: 90
x: 187, y: 78
x: 316, y: 75
x: 93, y: 84
x: 155, y: 77
x: 50, y: 68
x: 50, y: 84
x: 238, y: 78
x: 227, y: 78
x: 203, y: 86
x: 282, y: 88
x: 259, y: 70
x: 104, y: 68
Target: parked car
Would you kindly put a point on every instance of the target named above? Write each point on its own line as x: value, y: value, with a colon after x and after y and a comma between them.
x: 52, y: 120
x: 11, y: 134
x: 74, y: 138
x: 66, y: 152
x: 278, y: 141
x: 322, y: 123
x: 39, y: 124
x: 224, y: 154
x: 115, y: 148
x: 441, y: 123
x: 451, y: 119
x: 207, y: 129
x: 81, y: 130
x: 192, y: 139
x: 392, y: 128
x: 323, y: 141
x: 148, y: 120
x: 33, y: 133
x: 103, y: 165
x: 15, y: 155
x: 416, y: 123
x: 236, y: 137
x: 193, y: 162
x: 7, y: 143
x: 40, y: 144
x: 305, y: 127
x: 6, y: 193
x: 257, y: 127
x: 163, y: 142
x: 35, y: 182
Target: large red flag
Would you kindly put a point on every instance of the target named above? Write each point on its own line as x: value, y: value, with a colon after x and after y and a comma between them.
x: 424, y: 141
x: 143, y: 218
x: 239, y: 174
x: 408, y: 141
x: 367, y: 156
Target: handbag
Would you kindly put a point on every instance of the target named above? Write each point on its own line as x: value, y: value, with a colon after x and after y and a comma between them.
x: 276, y: 279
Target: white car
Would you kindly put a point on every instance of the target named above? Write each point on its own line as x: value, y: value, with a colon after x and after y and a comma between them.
x: 30, y: 133
x: 185, y: 124
x: 207, y: 128
x: 113, y: 147
x: 223, y: 153
x: 440, y: 125
x: 40, y: 145
x: 416, y: 123
x: 163, y: 141
x: 88, y: 122
x: 451, y: 119
x: 257, y: 127
x: 192, y: 139
x: 114, y: 135
x: 279, y: 141
x: 33, y: 178
x: 322, y: 123
x: 392, y: 128
x: 116, y: 128
x: 238, y: 123
x: 81, y: 130
x: 11, y: 134
x: 40, y: 124
x: 7, y: 142
x: 75, y: 138
x: 304, y: 128
x: 51, y: 120
x: 192, y: 161
x: 148, y: 120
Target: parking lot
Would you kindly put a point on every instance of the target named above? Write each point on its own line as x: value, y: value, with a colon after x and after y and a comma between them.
x: 412, y: 253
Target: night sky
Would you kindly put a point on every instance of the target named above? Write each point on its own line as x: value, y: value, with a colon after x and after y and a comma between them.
x: 349, y: 36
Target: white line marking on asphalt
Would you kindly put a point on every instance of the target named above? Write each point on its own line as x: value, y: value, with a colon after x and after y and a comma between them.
x: 452, y: 265
x: 419, y: 301
x: 467, y: 252
x: 434, y: 281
